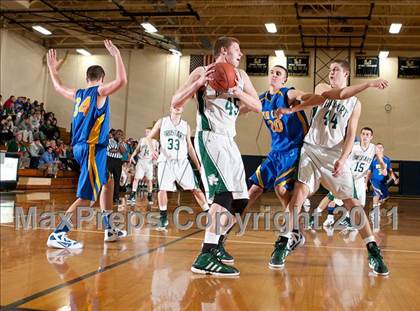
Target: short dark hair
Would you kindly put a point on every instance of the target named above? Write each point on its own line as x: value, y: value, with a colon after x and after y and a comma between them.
x: 366, y: 128
x: 284, y: 68
x: 343, y: 64
x: 223, y: 42
x: 95, y: 73
x: 380, y: 144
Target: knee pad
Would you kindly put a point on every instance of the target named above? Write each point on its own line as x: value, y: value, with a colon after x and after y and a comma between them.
x: 224, y: 199
x: 239, y: 205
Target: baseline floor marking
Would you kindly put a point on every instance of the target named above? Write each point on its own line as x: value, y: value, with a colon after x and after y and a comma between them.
x: 47, y: 291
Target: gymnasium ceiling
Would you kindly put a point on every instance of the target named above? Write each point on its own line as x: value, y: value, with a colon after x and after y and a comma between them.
x: 194, y: 24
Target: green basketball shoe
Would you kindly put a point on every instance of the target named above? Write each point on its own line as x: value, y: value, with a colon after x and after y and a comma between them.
x: 223, y: 255
x: 376, y: 261
x: 278, y: 256
x: 208, y: 263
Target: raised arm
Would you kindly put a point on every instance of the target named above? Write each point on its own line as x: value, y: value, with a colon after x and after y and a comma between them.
x: 349, y: 91
x: 197, y: 79
x: 53, y: 66
x: 300, y: 101
x: 348, y: 141
x: 120, y: 78
x: 248, y: 97
x: 191, y: 151
x: 153, y: 133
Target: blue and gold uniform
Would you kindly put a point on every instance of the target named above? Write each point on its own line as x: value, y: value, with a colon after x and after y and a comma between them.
x: 90, y: 139
x: 379, y: 181
x: 287, y: 135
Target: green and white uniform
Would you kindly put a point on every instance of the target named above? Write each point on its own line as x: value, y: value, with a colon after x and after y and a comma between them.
x: 360, y: 160
x: 173, y: 163
x: 144, y: 166
x: 222, y: 166
x: 323, y: 146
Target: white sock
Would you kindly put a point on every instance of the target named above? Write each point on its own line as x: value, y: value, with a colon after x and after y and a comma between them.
x: 163, y: 207
x: 318, y: 210
x: 205, y: 207
x: 330, y: 216
x: 369, y: 239
x: 211, y: 238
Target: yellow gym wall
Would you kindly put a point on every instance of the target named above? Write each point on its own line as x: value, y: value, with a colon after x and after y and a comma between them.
x: 154, y: 75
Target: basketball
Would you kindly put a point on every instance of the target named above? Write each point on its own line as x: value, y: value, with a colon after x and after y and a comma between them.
x: 224, y: 77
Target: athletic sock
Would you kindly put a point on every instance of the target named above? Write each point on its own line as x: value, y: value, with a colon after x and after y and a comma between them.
x: 65, y: 227
x: 210, y: 241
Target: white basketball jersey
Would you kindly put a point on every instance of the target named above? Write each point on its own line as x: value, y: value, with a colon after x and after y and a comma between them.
x: 329, y: 123
x: 217, y: 112
x: 361, y: 159
x: 144, y: 152
x: 173, y: 140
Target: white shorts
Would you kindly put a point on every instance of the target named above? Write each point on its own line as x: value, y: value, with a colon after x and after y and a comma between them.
x: 144, y: 168
x: 222, y: 169
x: 316, y: 166
x: 180, y: 171
x: 360, y: 185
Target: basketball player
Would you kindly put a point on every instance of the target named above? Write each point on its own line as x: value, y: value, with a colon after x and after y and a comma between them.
x: 324, y: 155
x: 173, y: 164
x: 378, y: 174
x: 144, y: 167
x: 287, y: 133
x: 90, y: 126
x: 361, y: 158
x: 222, y: 173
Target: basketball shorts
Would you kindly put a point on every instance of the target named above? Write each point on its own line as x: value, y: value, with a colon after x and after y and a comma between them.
x: 179, y: 171
x: 221, y: 165
x: 360, y: 186
x: 380, y: 188
x: 144, y: 168
x: 316, y: 166
x: 92, y: 160
x: 279, y: 169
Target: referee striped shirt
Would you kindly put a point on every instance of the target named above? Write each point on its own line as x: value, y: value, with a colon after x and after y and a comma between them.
x: 112, y: 144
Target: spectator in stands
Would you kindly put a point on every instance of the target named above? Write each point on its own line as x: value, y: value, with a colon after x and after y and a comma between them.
x: 17, y: 145
x: 6, y: 129
x: 1, y: 101
x: 47, y: 129
x: 24, y: 125
x: 9, y: 105
x: 55, y: 129
x: 19, y: 104
x: 48, y: 162
x: 35, y: 151
x: 35, y: 119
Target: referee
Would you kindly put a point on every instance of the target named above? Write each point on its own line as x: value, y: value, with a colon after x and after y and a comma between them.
x: 115, y: 152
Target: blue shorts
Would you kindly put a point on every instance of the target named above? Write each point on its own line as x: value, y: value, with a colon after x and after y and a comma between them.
x: 278, y: 170
x: 93, y: 171
x: 380, y: 188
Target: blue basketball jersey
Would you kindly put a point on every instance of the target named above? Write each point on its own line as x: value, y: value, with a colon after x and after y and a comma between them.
x: 375, y: 168
x: 288, y: 132
x: 90, y: 124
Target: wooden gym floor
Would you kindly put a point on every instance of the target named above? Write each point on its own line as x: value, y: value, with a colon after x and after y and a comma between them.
x: 151, y: 269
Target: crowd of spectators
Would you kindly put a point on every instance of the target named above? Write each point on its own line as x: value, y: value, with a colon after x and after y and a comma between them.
x: 29, y: 130
x: 26, y: 128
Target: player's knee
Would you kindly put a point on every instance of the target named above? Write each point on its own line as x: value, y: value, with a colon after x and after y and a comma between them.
x: 225, y: 200
x: 239, y: 206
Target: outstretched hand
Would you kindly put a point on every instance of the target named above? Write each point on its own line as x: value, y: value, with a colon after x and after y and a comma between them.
x: 379, y: 84
x: 112, y: 49
x: 52, y: 61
